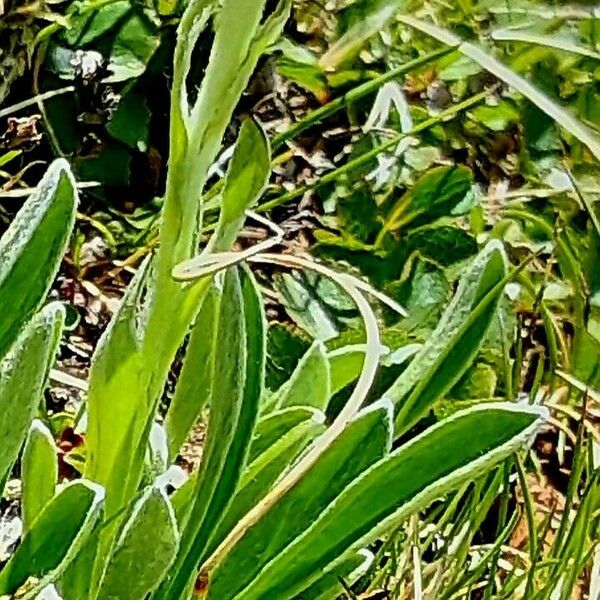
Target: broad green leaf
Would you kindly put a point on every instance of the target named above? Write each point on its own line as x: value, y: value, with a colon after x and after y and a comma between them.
x: 193, y: 386
x: 445, y: 456
x: 315, y: 303
x: 237, y: 380
x: 23, y: 375
x: 32, y: 249
x: 114, y: 405
x: 90, y: 26
x: 39, y: 472
x: 273, y: 426
x: 353, y: 566
x: 439, y: 192
x: 363, y: 442
x: 309, y: 384
x: 55, y: 537
x: 134, y: 45
x: 346, y: 363
x: 246, y: 178
x: 263, y: 472
x: 453, y: 345
x: 144, y: 551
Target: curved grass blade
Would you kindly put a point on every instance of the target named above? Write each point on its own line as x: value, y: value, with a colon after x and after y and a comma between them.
x: 445, y: 456
x: 39, y: 472
x: 144, y: 551
x: 551, y: 41
x: 55, y: 538
x: 32, y: 249
x: 23, y: 375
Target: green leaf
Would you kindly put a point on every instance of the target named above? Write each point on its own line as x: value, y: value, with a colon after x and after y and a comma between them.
x: 88, y: 27
x: 39, y: 472
x: 345, y: 363
x: 272, y: 427
x: 365, y: 440
x: 55, y: 538
x: 439, y: 192
x: 246, y: 179
x: 441, y: 459
x: 309, y: 384
x: 453, y: 345
x: 144, y: 551
x: 23, y: 375
x: 193, y: 386
x: 238, y: 375
x: 132, y: 50
x: 131, y: 121
x: 496, y: 118
x: 373, y: 19
x: 114, y: 404
x: 32, y: 249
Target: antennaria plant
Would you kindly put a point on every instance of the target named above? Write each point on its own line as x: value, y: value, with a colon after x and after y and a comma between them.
x: 283, y: 504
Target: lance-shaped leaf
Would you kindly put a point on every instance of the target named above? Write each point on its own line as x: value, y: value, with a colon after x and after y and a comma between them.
x: 39, y: 472
x: 346, y: 364
x: 309, y: 384
x: 453, y: 345
x: 23, y: 375
x: 114, y: 400
x: 55, y: 537
x: 32, y: 249
x: 237, y: 380
x: 444, y: 457
x: 144, y: 551
x: 246, y: 178
x: 363, y: 442
x: 272, y: 427
x: 193, y: 386
x: 263, y: 472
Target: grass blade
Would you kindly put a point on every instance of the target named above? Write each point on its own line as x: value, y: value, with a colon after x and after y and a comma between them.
x: 485, y: 59
x: 238, y: 374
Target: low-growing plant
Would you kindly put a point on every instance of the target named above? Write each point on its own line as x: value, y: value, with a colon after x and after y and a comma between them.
x: 284, y: 503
